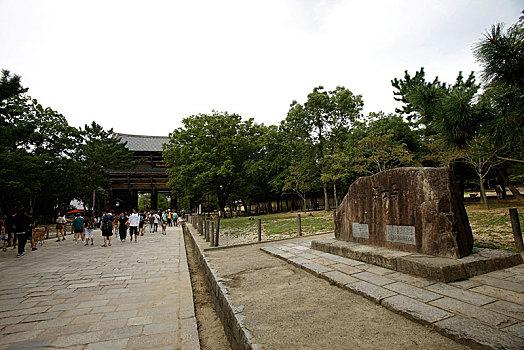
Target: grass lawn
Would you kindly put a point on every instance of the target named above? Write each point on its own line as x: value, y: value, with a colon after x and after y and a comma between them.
x: 279, y: 225
x: 491, y: 228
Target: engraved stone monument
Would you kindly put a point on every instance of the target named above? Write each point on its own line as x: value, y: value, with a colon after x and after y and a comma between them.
x: 409, y: 209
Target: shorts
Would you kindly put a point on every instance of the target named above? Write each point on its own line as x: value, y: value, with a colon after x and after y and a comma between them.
x: 133, y: 230
x: 59, y: 226
x: 79, y: 230
x: 141, y: 225
x: 89, y: 233
x: 107, y: 232
x: 29, y: 235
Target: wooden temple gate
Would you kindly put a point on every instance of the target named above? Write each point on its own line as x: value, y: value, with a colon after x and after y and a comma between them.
x: 149, y: 176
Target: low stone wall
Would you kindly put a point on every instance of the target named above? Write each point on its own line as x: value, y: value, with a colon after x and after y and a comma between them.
x: 239, y: 337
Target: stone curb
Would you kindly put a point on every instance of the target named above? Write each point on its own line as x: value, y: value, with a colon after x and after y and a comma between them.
x: 452, y: 326
x: 239, y: 337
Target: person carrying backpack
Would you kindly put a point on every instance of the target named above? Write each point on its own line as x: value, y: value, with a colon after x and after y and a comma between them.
x: 107, y: 228
x: 90, y: 226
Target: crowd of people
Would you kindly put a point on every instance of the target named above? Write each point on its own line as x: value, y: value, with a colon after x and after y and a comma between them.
x: 17, y: 229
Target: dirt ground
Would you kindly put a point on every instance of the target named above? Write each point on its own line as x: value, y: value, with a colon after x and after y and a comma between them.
x: 492, y: 227
x: 288, y: 308
x: 210, y: 331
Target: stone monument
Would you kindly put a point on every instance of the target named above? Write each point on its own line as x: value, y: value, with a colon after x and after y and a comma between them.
x: 409, y: 209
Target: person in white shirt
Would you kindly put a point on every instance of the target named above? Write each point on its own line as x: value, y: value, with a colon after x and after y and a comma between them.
x: 133, y: 221
x: 156, y: 221
x: 60, y: 225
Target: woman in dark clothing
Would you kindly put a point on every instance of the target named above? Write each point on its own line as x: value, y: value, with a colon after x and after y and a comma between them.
x: 122, y: 226
x: 22, y: 226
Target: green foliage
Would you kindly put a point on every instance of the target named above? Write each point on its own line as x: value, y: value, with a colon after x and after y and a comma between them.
x: 209, y: 153
x: 381, y: 143
x: 501, y: 55
x: 316, y: 132
x: 45, y: 162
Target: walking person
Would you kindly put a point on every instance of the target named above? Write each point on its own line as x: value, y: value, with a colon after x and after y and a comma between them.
x: 60, y: 227
x: 78, y: 227
x: 169, y: 218
x: 89, y: 224
x: 4, y: 236
x: 164, y: 222
x: 21, y: 225
x: 151, y: 221
x: 30, y: 237
x: 106, y: 226
x: 11, y: 236
x: 175, y: 218
x: 142, y: 224
x: 134, y: 221
x: 156, y: 221
x: 122, y: 226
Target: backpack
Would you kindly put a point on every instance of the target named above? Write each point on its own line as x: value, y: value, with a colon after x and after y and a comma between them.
x: 90, y: 224
x: 108, y: 222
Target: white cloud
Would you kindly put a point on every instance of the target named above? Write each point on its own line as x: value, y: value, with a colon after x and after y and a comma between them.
x: 140, y: 67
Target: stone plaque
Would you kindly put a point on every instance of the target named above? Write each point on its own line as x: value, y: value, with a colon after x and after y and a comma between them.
x: 400, y: 234
x: 411, y: 209
x: 360, y: 230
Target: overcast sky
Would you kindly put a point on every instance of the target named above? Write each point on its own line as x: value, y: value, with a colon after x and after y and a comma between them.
x: 140, y: 67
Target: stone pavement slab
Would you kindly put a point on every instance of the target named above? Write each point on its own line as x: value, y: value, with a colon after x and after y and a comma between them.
x: 127, y: 296
x: 483, y: 311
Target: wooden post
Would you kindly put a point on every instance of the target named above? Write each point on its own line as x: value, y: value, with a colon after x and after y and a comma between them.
x: 218, y: 232
x: 259, y: 230
x: 207, y: 230
x: 212, y: 238
x: 299, y: 225
x: 515, y: 225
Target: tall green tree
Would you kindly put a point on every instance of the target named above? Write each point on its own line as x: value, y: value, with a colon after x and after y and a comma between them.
x: 98, y: 150
x: 452, y: 113
x: 382, y: 142
x: 208, y: 154
x: 318, y: 128
x: 37, y: 138
x: 501, y: 54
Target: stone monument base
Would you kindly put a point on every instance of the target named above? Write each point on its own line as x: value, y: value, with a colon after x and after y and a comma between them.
x: 435, y: 268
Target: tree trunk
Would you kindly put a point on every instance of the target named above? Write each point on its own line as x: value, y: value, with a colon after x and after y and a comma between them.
x: 326, y: 198
x: 512, y: 188
x: 483, y: 193
x: 32, y: 204
x: 335, y: 195
x: 305, y: 205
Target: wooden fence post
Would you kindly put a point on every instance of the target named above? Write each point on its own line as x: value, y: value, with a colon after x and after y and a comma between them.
x: 515, y: 225
x: 212, y: 238
x: 299, y: 225
x: 218, y: 232
x: 259, y: 230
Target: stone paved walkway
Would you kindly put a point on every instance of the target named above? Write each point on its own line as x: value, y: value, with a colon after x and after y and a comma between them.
x: 486, y: 310
x: 127, y: 296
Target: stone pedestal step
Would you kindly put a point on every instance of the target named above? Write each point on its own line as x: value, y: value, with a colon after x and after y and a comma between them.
x: 479, y: 262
